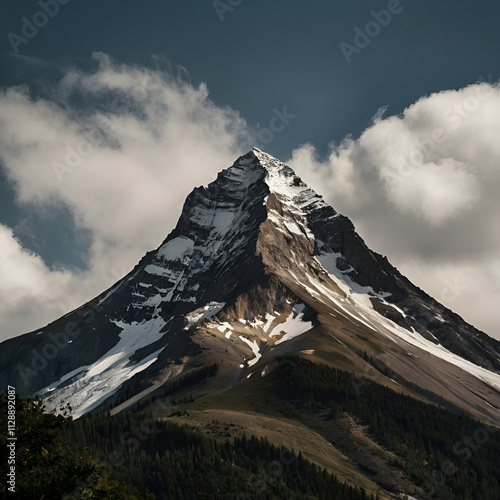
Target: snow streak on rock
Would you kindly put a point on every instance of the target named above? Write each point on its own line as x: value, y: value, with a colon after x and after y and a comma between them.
x: 93, y: 384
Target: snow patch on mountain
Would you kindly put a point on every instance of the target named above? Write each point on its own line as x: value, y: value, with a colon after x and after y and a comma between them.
x: 267, y: 325
x: 358, y: 292
x: 204, y: 313
x: 177, y: 249
x: 358, y: 306
x: 255, y: 348
x: 294, y: 325
x: 102, y: 378
x: 441, y: 352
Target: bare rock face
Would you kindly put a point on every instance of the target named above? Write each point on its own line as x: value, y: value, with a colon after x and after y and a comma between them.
x: 257, y: 266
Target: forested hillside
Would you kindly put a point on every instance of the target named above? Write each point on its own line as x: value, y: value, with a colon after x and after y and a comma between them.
x: 131, y: 456
x: 452, y: 455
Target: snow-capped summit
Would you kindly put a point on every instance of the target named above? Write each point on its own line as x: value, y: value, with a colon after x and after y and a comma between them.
x: 258, y: 266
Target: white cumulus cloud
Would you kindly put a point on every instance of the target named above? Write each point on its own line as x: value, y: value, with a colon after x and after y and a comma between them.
x: 423, y: 187
x: 122, y: 165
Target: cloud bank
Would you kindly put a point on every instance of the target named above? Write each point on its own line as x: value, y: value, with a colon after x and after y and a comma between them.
x: 423, y: 188
x: 121, y: 146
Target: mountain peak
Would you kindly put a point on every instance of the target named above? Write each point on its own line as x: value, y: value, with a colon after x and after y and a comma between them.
x: 258, y: 266
x: 266, y: 159
x: 255, y: 159
x: 279, y: 178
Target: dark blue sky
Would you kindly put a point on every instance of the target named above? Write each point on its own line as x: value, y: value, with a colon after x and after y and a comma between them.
x: 263, y: 55
x: 275, y: 53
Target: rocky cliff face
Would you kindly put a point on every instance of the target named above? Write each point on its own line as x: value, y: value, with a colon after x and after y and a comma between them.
x: 257, y: 266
